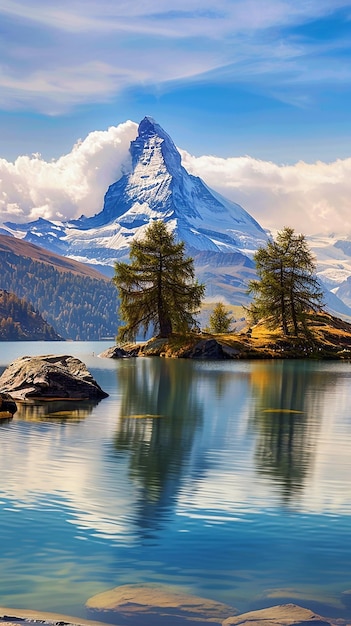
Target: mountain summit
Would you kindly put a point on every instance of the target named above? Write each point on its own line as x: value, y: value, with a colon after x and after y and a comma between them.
x: 159, y: 187
x: 219, y: 234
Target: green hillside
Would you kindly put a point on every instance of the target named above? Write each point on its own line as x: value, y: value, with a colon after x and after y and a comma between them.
x: 20, y: 322
x: 79, y: 302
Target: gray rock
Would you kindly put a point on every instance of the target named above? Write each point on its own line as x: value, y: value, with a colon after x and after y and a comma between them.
x: 50, y: 377
x: 229, y: 352
x: 115, y: 353
x: 7, y: 405
x: 207, y: 349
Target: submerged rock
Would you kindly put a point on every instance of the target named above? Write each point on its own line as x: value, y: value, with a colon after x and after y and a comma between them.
x: 279, y: 615
x: 142, y: 605
x: 50, y: 377
x: 135, y: 604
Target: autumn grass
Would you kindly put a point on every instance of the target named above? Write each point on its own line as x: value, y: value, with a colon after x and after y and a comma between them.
x: 325, y: 337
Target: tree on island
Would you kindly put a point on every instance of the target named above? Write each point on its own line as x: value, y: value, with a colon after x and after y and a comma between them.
x: 157, y: 288
x: 287, y: 289
x: 220, y: 320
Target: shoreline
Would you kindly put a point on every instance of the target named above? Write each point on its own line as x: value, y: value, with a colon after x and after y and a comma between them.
x: 325, y: 338
x: 163, y: 614
x: 14, y: 617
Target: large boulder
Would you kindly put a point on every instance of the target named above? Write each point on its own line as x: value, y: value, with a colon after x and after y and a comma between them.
x: 50, y: 377
x: 159, y: 605
x: 7, y: 405
x: 119, y: 353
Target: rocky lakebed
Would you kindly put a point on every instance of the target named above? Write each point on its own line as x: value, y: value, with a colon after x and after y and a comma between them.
x: 159, y: 605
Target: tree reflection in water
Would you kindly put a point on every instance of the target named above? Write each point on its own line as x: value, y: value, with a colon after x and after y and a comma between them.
x: 286, y: 421
x: 160, y: 414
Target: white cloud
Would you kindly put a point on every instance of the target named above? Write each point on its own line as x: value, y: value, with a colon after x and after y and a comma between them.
x: 72, y: 185
x: 78, y: 78
x: 312, y: 198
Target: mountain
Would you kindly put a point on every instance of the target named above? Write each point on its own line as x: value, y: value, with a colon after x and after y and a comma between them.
x: 333, y: 256
x: 158, y: 187
x: 77, y: 300
x: 20, y: 322
x: 219, y: 234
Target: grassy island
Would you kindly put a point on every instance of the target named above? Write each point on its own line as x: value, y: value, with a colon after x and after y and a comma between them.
x: 325, y: 337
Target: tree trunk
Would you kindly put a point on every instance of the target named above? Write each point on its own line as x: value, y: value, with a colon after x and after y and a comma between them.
x: 293, y: 315
x: 282, y: 302
x: 165, y: 324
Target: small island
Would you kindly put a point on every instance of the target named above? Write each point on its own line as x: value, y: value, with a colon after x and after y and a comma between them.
x: 286, y: 316
x: 326, y: 337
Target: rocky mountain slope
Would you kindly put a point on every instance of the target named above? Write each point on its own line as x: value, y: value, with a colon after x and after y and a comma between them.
x: 333, y: 256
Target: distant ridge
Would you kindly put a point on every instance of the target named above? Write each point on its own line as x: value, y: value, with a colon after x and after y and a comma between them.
x: 23, y: 248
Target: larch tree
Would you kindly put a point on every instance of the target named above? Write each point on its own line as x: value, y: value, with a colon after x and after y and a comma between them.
x: 157, y: 289
x: 220, y: 320
x: 287, y: 288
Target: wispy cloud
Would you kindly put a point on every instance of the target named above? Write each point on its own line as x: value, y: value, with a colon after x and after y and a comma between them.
x: 57, y: 56
x: 227, y: 16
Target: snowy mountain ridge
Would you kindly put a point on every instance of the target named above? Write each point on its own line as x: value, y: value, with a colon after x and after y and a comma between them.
x: 219, y: 234
x: 157, y: 186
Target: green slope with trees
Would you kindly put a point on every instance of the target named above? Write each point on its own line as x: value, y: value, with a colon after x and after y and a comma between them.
x: 20, y: 322
x: 78, y: 302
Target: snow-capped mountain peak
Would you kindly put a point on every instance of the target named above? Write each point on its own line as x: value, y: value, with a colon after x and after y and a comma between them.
x: 216, y: 231
x: 219, y: 234
x: 149, y: 134
x: 159, y: 187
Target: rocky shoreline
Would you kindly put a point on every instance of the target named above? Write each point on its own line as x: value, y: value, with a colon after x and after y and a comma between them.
x: 164, y: 613
x: 151, y: 604
x: 20, y: 617
x: 325, y: 337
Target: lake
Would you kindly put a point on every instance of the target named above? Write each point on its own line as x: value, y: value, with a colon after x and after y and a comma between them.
x: 229, y: 480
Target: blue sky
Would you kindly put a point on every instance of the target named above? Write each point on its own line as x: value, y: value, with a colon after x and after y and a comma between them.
x: 256, y: 94
x: 265, y: 78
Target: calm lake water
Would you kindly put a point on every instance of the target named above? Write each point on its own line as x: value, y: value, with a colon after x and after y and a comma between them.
x: 229, y: 480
